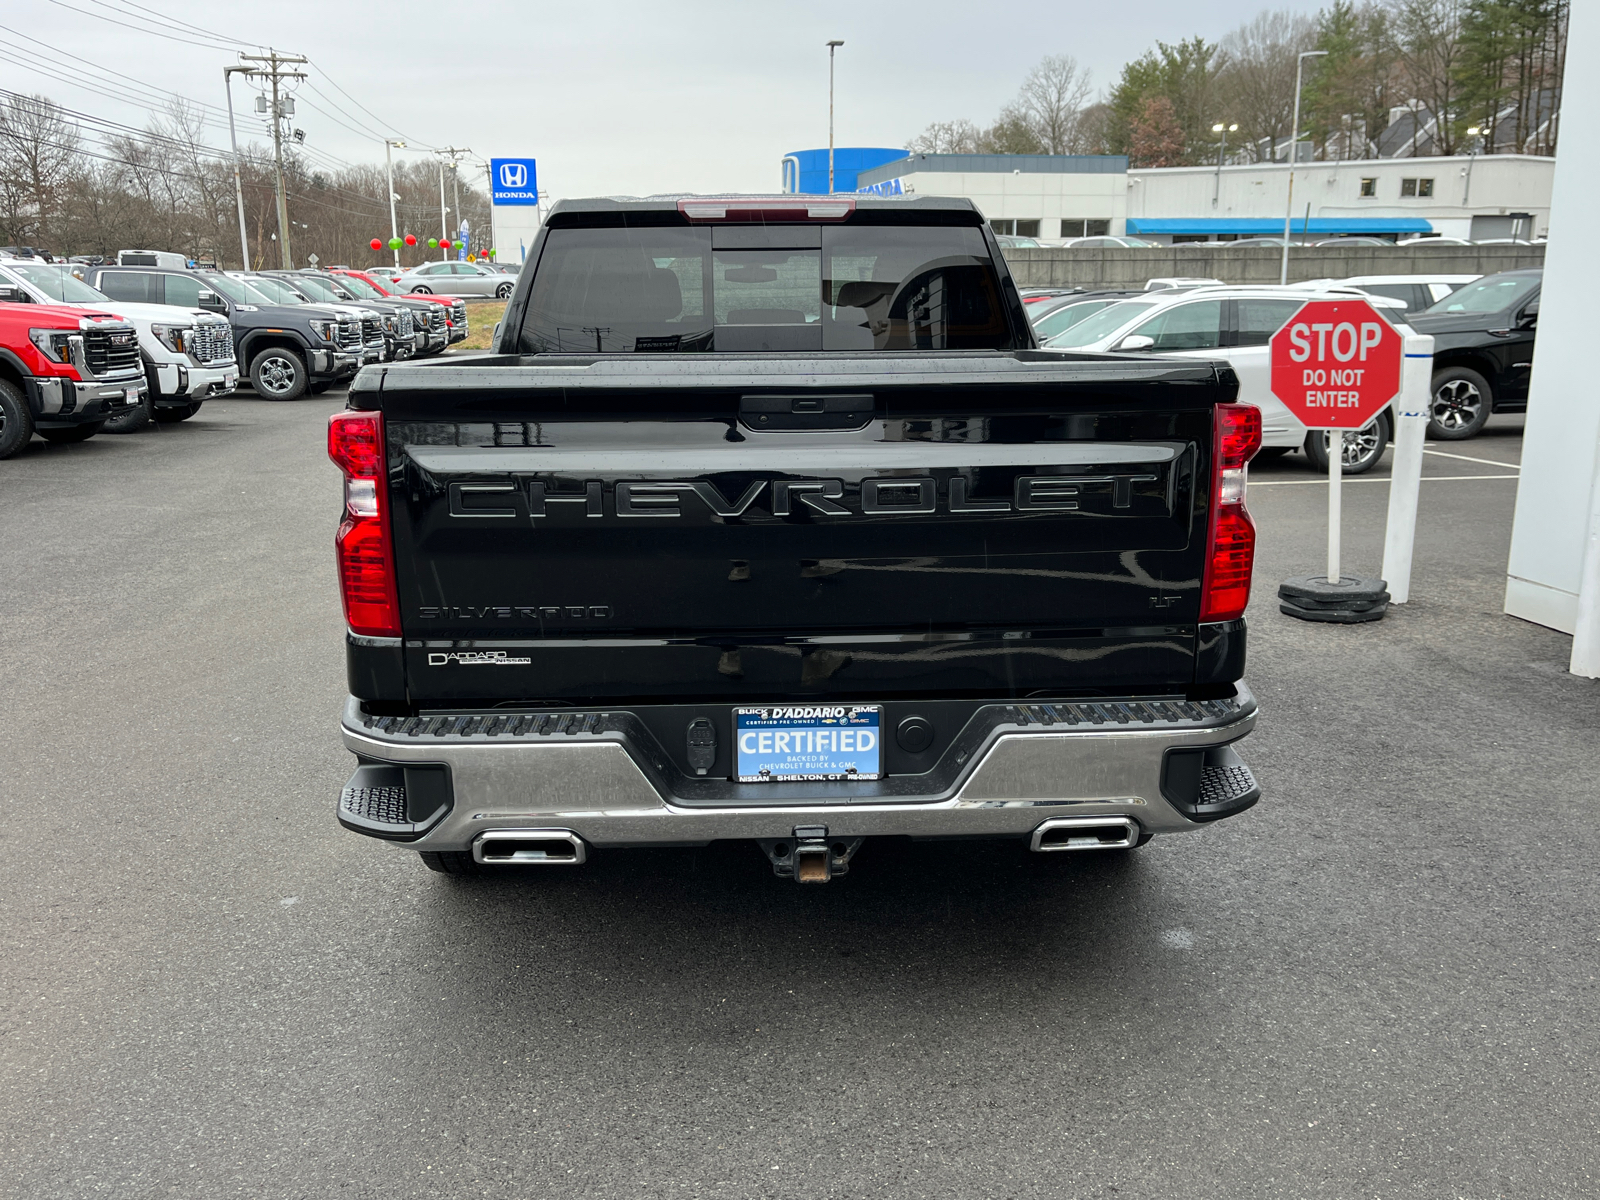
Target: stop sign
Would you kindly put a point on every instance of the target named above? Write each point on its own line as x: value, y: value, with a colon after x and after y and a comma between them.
x: 1336, y: 364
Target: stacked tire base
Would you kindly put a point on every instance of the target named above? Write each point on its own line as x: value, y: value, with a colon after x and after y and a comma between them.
x: 1348, y: 602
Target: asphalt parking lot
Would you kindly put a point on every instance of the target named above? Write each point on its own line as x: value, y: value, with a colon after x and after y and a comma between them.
x: 1381, y: 982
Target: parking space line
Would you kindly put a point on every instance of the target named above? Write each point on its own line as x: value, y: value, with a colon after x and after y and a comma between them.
x: 1488, y: 462
x: 1381, y: 479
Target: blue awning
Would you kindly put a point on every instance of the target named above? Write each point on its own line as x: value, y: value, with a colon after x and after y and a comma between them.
x: 1270, y: 226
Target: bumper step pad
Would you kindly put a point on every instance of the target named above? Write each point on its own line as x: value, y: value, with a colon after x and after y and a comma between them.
x: 399, y: 803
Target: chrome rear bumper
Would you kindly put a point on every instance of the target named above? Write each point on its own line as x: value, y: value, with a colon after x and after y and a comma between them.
x: 593, y: 774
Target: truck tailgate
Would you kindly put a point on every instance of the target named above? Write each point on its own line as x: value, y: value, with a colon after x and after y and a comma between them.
x: 575, y: 530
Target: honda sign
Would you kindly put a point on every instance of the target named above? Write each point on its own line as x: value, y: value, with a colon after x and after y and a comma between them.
x: 513, y: 181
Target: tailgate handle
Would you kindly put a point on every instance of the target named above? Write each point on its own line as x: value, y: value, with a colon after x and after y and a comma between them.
x: 808, y: 410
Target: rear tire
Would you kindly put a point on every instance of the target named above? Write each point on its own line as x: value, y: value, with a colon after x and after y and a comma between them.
x: 422, y: 289
x: 278, y: 374
x: 71, y: 434
x: 1362, y: 447
x: 1460, y: 406
x: 16, y: 422
x: 175, y: 413
x: 503, y: 292
x: 451, y: 862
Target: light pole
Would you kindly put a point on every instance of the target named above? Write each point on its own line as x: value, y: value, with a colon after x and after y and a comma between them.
x: 1222, y: 151
x: 832, y: 46
x: 238, y: 187
x: 388, y: 169
x: 1294, y: 141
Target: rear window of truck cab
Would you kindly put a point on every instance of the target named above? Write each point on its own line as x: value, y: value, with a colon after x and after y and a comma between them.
x: 802, y: 287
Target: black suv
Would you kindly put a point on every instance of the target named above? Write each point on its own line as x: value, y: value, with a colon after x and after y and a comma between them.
x: 1482, y: 350
x: 287, y: 350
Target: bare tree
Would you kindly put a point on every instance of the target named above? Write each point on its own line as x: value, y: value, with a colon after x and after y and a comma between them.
x: 38, y: 155
x: 1052, y: 101
x: 947, y: 137
x: 1256, y: 89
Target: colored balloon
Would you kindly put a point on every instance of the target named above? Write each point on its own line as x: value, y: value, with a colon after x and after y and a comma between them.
x: 394, y: 243
x: 376, y: 244
x: 444, y: 243
x: 411, y: 239
x: 433, y: 243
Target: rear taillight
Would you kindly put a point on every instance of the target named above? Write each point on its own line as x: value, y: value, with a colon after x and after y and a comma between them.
x: 1231, y: 542
x: 363, y: 545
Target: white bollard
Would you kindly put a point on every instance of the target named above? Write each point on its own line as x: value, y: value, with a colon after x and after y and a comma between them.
x: 1405, y: 482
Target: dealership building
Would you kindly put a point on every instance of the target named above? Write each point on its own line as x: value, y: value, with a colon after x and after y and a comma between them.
x: 1064, y: 196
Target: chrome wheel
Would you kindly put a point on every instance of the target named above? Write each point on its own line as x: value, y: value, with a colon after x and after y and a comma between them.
x: 1457, y: 406
x: 277, y: 376
x: 503, y: 292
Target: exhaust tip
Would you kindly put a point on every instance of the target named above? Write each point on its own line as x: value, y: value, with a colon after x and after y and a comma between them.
x: 529, y: 847
x: 1085, y: 833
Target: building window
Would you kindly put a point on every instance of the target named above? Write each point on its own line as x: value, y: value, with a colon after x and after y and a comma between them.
x: 1016, y: 226
x: 1424, y: 187
x: 1369, y: 187
x: 1416, y: 187
x: 1076, y: 227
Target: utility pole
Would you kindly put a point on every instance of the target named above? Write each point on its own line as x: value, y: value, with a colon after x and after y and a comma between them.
x: 238, y: 186
x: 832, y: 46
x: 450, y: 152
x: 274, y: 71
x: 1294, y: 141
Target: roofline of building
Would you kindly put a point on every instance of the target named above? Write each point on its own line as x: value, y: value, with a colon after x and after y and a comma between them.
x: 1322, y: 163
x: 996, y: 164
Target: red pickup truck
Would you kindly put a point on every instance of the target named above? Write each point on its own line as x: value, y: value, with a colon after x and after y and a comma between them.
x: 63, y: 372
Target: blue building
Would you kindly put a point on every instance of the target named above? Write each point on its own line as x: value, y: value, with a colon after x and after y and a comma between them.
x: 806, y: 171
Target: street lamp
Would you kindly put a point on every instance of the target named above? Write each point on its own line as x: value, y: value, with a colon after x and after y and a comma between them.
x: 238, y: 187
x: 832, y: 46
x: 1294, y: 141
x: 388, y: 166
x: 1222, y: 150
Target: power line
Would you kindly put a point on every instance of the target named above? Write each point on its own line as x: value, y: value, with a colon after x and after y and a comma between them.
x: 139, y: 28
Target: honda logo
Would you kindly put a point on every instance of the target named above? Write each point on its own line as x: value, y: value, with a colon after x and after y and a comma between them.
x: 513, y: 175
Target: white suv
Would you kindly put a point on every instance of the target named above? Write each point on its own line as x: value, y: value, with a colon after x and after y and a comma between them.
x: 1234, y: 325
x: 188, y: 352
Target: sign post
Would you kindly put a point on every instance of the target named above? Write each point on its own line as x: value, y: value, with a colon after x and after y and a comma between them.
x: 1336, y: 366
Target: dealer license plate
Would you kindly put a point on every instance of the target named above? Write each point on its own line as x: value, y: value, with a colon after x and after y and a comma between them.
x: 809, y: 743
x: 131, y: 395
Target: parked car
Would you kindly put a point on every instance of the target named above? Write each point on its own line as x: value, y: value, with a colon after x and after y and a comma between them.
x: 1416, y: 292
x: 289, y: 349
x: 429, y: 330
x: 456, y: 279
x: 281, y: 289
x: 1035, y: 296
x: 1433, y: 241
x: 1354, y: 240
x: 1014, y: 241
x: 996, y: 632
x: 152, y: 258
x: 1164, y: 283
x: 1072, y: 310
x: 396, y: 318
x: 64, y: 371
x: 1483, y: 337
x: 1276, y: 242
x: 1234, y: 325
x: 187, y: 352
x: 1107, y: 242
x: 440, y: 319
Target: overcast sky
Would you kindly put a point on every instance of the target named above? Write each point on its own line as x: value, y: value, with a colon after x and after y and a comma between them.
x: 612, y: 97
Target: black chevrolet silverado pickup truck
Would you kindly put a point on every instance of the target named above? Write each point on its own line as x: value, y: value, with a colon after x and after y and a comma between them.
x: 767, y: 520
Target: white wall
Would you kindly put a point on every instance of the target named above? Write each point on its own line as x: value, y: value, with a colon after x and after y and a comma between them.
x: 1499, y: 184
x: 1563, y: 427
x: 515, y: 227
x: 1046, y: 197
